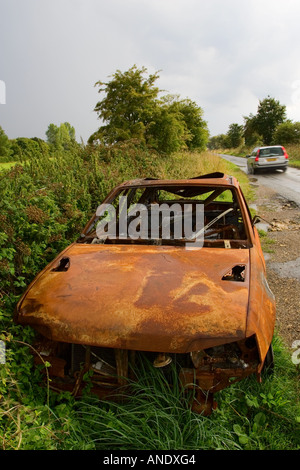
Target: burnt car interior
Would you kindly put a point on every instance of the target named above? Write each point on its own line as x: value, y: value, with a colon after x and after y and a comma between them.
x: 223, y: 223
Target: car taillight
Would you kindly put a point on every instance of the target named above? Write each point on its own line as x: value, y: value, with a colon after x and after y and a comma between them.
x: 257, y: 155
x: 285, y: 154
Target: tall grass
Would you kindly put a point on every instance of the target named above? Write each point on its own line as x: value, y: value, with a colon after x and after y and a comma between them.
x: 250, y: 416
x: 294, y: 155
x: 157, y: 416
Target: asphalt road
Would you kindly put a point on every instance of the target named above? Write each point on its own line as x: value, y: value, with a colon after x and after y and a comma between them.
x: 286, y: 184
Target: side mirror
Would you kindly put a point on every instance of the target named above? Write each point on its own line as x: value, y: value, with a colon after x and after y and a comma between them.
x: 256, y: 219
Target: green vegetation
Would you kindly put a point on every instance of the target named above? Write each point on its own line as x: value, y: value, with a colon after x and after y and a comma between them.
x: 269, y: 126
x: 293, y: 151
x: 44, y: 205
x: 132, y: 109
x: 234, y: 136
x: 270, y: 114
x: 288, y: 132
x: 61, y: 137
x: 6, y: 165
x: 49, y: 190
x: 266, y: 242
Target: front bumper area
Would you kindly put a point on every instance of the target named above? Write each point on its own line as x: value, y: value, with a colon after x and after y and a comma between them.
x: 111, y: 371
x: 271, y: 167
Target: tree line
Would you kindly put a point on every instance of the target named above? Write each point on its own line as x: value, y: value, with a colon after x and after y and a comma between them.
x: 59, y: 138
x: 132, y: 108
x: 269, y: 126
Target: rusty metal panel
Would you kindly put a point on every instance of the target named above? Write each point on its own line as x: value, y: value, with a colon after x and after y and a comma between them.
x: 140, y: 297
x: 262, y: 306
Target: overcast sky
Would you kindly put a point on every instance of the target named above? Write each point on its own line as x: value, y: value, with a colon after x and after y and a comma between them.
x: 225, y: 55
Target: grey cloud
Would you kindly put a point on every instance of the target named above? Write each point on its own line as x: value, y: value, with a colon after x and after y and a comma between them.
x: 225, y: 55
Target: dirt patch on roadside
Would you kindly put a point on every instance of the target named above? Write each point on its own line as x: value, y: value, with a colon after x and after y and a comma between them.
x: 282, y: 253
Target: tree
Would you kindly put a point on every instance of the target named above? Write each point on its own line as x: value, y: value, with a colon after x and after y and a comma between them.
x: 127, y: 107
x: 62, y: 137
x: 132, y: 109
x: 5, y: 146
x: 52, y: 135
x: 270, y: 114
x: 287, y: 133
x: 219, y: 141
x: 44, y: 146
x: 235, y: 135
x: 25, y: 148
x: 251, y: 136
x: 191, y: 115
x: 166, y: 132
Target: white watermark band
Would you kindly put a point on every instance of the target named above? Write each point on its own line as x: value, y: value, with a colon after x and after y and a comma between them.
x: 2, y: 92
x: 174, y: 221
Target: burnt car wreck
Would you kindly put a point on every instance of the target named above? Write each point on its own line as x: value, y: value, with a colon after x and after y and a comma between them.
x: 180, y: 289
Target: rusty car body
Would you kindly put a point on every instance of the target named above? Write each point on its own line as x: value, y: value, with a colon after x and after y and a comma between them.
x: 103, y: 300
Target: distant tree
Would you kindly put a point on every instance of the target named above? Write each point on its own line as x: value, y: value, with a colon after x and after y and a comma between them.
x: 219, y: 141
x: 44, y: 146
x: 191, y: 114
x: 235, y: 135
x: 24, y: 148
x: 70, y: 129
x: 251, y: 135
x: 270, y: 114
x: 287, y: 133
x: 60, y: 137
x: 167, y: 132
x: 5, y: 146
x: 52, y: 135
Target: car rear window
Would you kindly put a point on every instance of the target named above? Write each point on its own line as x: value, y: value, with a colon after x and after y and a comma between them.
x: 271, y: 151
